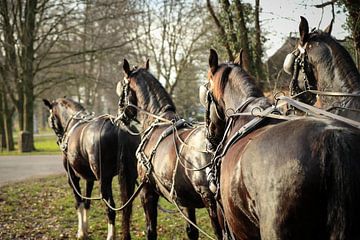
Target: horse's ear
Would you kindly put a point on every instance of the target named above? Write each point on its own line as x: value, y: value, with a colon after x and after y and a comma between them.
x: 47, y: 103
x: 328, y: 29
x: 239, y: 59
x: 213, y: 60
x: 126, y: 67
x: 304, y: 30
x: 147, y: 64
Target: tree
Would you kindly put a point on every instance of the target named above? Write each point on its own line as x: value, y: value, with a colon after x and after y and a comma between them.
x: 237, y: 22
x: 173, y: 35
x: 353, y: 20
x: 39, y: 48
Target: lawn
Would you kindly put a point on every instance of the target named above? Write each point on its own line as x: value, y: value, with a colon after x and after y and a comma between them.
x: 45, y: 144
x: 44, y: 209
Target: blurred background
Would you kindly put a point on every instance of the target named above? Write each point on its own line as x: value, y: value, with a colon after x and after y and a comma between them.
x: 56, y: 48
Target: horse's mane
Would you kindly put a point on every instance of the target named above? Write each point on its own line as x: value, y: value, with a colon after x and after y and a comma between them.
x: 69, y: 103
x: 237, y: 78
x: 341, y: 59
x: 150, y: 92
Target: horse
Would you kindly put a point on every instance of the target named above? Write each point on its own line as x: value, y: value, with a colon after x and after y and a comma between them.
x: 295, y: 179
x: 93, y: 148
x: 327, y: 67
x: 172, y: 153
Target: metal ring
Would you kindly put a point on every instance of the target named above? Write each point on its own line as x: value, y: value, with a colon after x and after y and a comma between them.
x: 227, y: 112
x: 254, y: 109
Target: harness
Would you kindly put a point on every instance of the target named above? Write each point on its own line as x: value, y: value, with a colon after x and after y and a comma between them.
x: 213, y: 173
x: 144, y: 160
x: 63, y: 137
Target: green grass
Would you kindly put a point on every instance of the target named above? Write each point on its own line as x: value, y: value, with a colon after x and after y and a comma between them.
x: 45, y: 144
x: 44, y: 209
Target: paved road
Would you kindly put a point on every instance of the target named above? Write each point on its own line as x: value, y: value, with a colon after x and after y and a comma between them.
x: 17, y: 168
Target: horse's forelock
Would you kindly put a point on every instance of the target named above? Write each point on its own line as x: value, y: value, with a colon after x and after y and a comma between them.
x: 235, y: 75
x: 220, y: 78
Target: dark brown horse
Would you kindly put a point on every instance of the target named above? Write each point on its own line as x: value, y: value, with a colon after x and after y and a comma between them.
x: 296, y: 179
x: 174, y: 168
x: 95, y: 149
x: 324, y: 64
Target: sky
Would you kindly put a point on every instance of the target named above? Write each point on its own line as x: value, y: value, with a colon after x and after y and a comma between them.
x: 279, y: 17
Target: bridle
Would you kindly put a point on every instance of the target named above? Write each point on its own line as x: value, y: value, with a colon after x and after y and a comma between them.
x: 212, y: 114
x: 124, y: 101
x: 295, y: 62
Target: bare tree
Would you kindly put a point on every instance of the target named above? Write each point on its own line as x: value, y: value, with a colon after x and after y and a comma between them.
x: 43, y: 43
x: 173, y: 32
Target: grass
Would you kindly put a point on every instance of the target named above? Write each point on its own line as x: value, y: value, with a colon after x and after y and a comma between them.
x: 44, y: 209
x: 45, y: 144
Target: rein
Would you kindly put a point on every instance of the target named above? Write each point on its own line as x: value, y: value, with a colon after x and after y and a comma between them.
x: 136, y: 192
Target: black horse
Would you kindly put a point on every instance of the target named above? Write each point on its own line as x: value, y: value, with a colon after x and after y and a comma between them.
x: 323, y: 64
x: 296, y: 179
x: 172, y: 153
x: 95, y: 149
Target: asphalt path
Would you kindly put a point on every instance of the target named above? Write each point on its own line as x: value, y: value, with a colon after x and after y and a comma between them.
x: 18, y: 168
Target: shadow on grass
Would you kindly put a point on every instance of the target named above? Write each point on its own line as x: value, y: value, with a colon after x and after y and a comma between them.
x: 44, y: 209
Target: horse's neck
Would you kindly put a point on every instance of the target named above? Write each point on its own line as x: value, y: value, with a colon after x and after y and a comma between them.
x: 336, y: 79
x: 68, y: 120
x: 339, y: 72
x: 161, y: 112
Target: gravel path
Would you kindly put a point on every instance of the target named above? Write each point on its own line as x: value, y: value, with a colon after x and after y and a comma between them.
x: 17, y: 168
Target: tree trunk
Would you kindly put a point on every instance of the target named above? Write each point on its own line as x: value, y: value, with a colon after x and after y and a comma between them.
x: 2, y: 130
x: 244, y: 40
x: 258, y: 47
x: 353, y: 7
x: 28, y: 39
x: 10, y: 73
x: 7, y: 124
x: 230, y: 27
x: 221, y: 29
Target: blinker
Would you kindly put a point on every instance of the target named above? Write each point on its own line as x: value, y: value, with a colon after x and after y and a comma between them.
x: 203, y: 92
x: 119, y: 88
x: 289, y: 62
x: 214, y: 114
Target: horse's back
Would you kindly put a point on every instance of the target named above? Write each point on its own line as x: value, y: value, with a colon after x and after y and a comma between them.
x: 166, y: 161
x: 104, y: 144
x: 285, y: 179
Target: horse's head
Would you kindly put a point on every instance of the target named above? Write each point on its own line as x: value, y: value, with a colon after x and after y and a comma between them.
x: 62, y: 110
x: 229, y: 89
x: 141, y: 90
x: 125, y: 89
x: 312, y: 51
